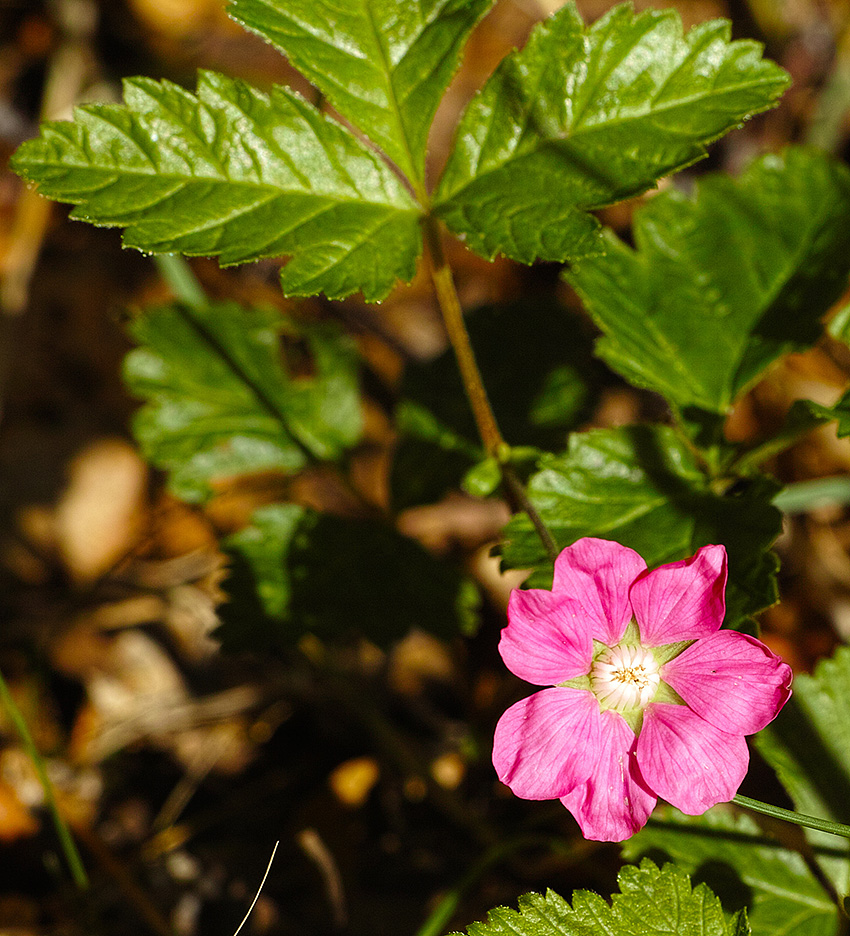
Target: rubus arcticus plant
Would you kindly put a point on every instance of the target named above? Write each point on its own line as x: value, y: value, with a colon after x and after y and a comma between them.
x: 651, y: 698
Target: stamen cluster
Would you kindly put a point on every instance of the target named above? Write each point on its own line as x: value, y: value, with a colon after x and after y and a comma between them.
x: 625, y: 677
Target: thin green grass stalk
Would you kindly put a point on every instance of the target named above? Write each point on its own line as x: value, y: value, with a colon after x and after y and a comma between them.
x: 802, y: 496
x: 808, y: 822
x: 183, y: 282
x: 72, y: 856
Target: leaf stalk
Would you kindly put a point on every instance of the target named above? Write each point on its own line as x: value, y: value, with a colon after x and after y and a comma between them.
x: 476, y: 392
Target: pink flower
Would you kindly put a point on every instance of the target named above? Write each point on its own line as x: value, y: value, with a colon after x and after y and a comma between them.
x: 650, y: 698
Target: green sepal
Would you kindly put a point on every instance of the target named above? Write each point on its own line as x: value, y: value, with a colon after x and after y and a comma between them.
x: 667, y: 652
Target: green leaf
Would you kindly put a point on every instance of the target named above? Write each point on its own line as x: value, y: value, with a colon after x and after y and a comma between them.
x: 294, y: 571
x: 743, y: 867
x: 651, y: 902
x: 808, y: 745
x: 584, y: 117
x: 383, y: 64
x: 482, y: 479
x: 219, y: 403
x: 237, y: 174
x: 641, y: 486
x: 840, y: 412
x: 723, y: 284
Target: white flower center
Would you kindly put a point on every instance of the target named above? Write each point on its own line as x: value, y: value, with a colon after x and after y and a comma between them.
x: 625, y: 677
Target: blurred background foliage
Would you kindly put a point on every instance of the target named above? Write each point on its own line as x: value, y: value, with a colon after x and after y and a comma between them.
x: 364, y: 745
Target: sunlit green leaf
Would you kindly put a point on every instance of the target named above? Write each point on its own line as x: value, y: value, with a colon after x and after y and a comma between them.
x: 722, y: 284
x: 808, y: 745
x: 743, y: 867
x: 383, y: 64
x: 234, y: 173
x: 586, y: 116
x: 650, y: 902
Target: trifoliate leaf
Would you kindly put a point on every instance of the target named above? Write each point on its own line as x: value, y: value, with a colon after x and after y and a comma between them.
x: 743, y: 867
x: 383, y: 64
x: 294, y: 572
x: 219, y: 403
x: 651, y: 901
x: 237, y: 174
x: 584, y: 117
x: 723, y: 284
x: 641, y: 486
x: 808, y: 745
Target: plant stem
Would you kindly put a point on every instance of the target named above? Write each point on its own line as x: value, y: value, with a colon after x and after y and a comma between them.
x: 72, y: 856
x: 485, y: 420
x: 808, y: 822
x: 447, y: 297
x: 516, y: 492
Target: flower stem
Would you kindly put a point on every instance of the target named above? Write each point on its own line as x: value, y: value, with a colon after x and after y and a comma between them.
x: 809, y: 822
x: 485, y: 419
x: 72, y: 856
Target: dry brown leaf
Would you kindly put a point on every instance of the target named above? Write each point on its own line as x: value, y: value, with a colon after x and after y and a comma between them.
x: 100, y: 514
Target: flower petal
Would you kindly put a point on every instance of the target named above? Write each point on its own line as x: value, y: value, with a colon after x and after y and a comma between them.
x: 614, y: 802
x: 681, y: 600
x: 545, y: 642
x: 597, y: 575
x: 544, y: 745
x: 687, y: 761
x: 731, y: 680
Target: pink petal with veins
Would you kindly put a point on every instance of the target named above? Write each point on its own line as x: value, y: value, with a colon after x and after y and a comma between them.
x: 597, y: 575
x: 731, y: 680
x: 681, y: 600
x: 687, y: 761
x: 545, y: 642
x: 544, y: 745
x: 614, y: 802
